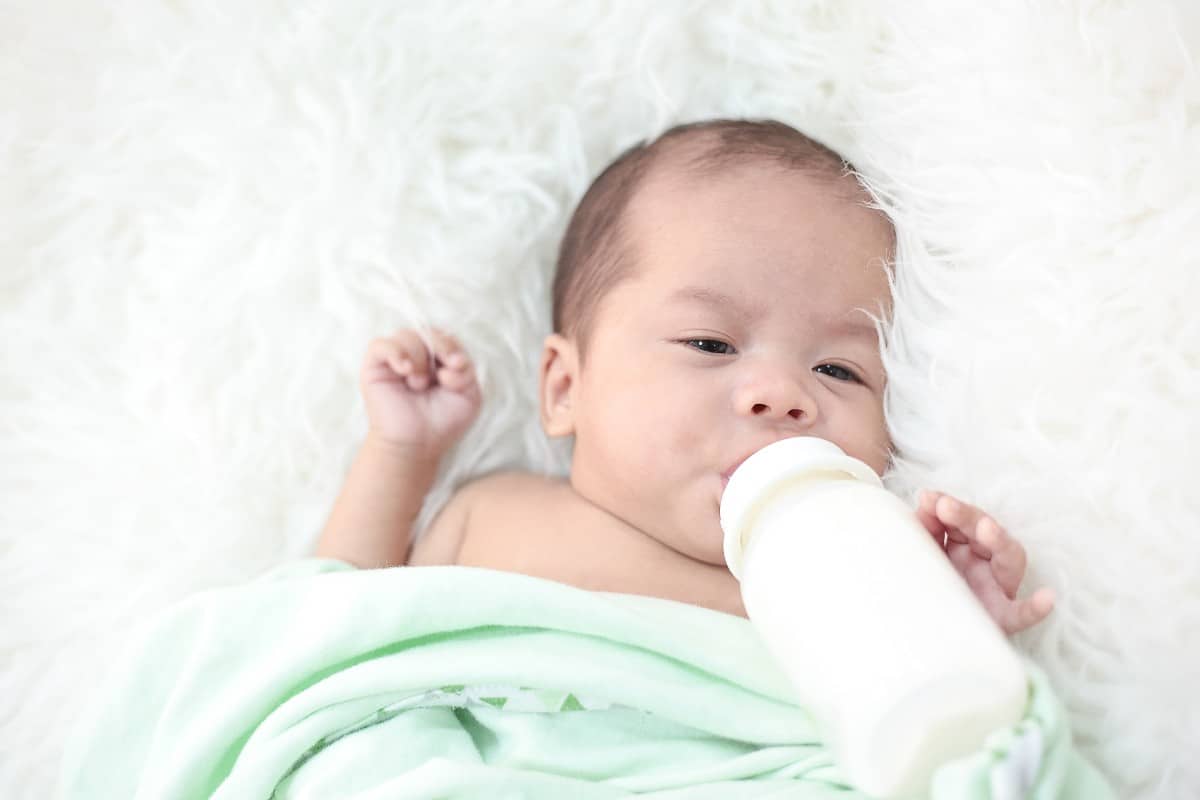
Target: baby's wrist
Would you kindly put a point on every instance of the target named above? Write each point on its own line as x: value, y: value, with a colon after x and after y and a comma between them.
x: 405, y: 453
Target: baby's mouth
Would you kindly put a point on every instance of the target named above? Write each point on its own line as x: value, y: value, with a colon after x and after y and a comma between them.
x: 727, y: 474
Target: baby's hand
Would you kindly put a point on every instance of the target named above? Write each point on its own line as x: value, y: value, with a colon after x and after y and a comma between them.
x: 419, y: 394
x: 991, y: 561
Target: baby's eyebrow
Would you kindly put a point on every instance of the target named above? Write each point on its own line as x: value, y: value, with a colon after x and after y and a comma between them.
x: 855, y: 324
x: 712, y: 297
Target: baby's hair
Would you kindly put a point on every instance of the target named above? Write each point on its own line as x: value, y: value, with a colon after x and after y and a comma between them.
x: 595, y: 252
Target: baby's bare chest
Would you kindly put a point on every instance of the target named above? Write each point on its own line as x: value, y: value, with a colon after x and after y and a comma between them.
x: 527, y: 524
x: 539, y: 527
x: 502, y: 522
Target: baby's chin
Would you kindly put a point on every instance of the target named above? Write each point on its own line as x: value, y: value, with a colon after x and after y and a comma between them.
x: 693, y: 527
x: 698, y: 539
x: 707, y: 545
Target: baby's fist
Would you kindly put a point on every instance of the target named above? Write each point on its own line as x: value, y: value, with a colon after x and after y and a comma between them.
x: 420, y: 390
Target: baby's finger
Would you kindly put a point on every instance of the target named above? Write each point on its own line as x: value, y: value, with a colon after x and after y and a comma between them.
x: 384, y: 356
x: 447, y: 350
x: 414, y: 358
x: 960, y: 519
x: 1008, y: 556
x: 1027, y: 613
x: 456, y: 379
x: 413, y: 349
x: 926, y: 502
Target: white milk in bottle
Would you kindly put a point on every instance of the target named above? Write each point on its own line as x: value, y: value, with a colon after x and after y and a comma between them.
x: 884, y: 642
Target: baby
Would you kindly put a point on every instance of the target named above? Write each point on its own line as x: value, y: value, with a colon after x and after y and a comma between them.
x: 715, y: 292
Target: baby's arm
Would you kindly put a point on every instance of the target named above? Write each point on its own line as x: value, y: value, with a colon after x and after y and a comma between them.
x: 991, y: 561
x: 420, y: 398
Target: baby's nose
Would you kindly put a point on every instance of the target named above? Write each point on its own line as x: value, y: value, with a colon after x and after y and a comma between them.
x: 776, y: 397
x: 764, y: 410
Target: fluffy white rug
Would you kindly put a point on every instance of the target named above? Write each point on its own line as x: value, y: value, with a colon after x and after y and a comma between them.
x: 209, y: 208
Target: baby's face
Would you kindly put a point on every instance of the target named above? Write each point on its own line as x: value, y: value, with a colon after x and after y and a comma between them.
x: 743, y: 324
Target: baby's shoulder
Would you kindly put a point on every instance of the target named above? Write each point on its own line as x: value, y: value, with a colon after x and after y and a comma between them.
x: 510, y: 486
x: 495, y: 507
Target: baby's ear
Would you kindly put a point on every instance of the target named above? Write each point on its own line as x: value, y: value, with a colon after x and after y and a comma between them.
x: 560, y: 366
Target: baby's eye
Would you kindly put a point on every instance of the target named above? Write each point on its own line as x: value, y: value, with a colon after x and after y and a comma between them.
x: 714, y: 346
x: 836, y: 372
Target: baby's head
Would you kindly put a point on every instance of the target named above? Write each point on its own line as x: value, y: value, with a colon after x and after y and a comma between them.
x: 715, y: 293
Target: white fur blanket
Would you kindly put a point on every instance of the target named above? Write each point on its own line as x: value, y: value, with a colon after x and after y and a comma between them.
x: 207, y: 209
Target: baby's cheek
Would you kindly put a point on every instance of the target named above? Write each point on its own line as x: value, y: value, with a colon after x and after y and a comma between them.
x: 862, y: 435
x: 875, y: 451
x: 633, y: 436
x: 665, y: 444
x: 686, y: 442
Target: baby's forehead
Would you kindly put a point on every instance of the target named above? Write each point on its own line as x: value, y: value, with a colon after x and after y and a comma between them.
x: 675, y: 177
x: 677, y: 201
x: 758, y: 225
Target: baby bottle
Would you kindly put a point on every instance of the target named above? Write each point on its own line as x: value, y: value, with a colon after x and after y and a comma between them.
x: 888, y: 649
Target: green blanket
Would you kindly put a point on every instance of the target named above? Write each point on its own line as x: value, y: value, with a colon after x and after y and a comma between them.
x: 323, y: 681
